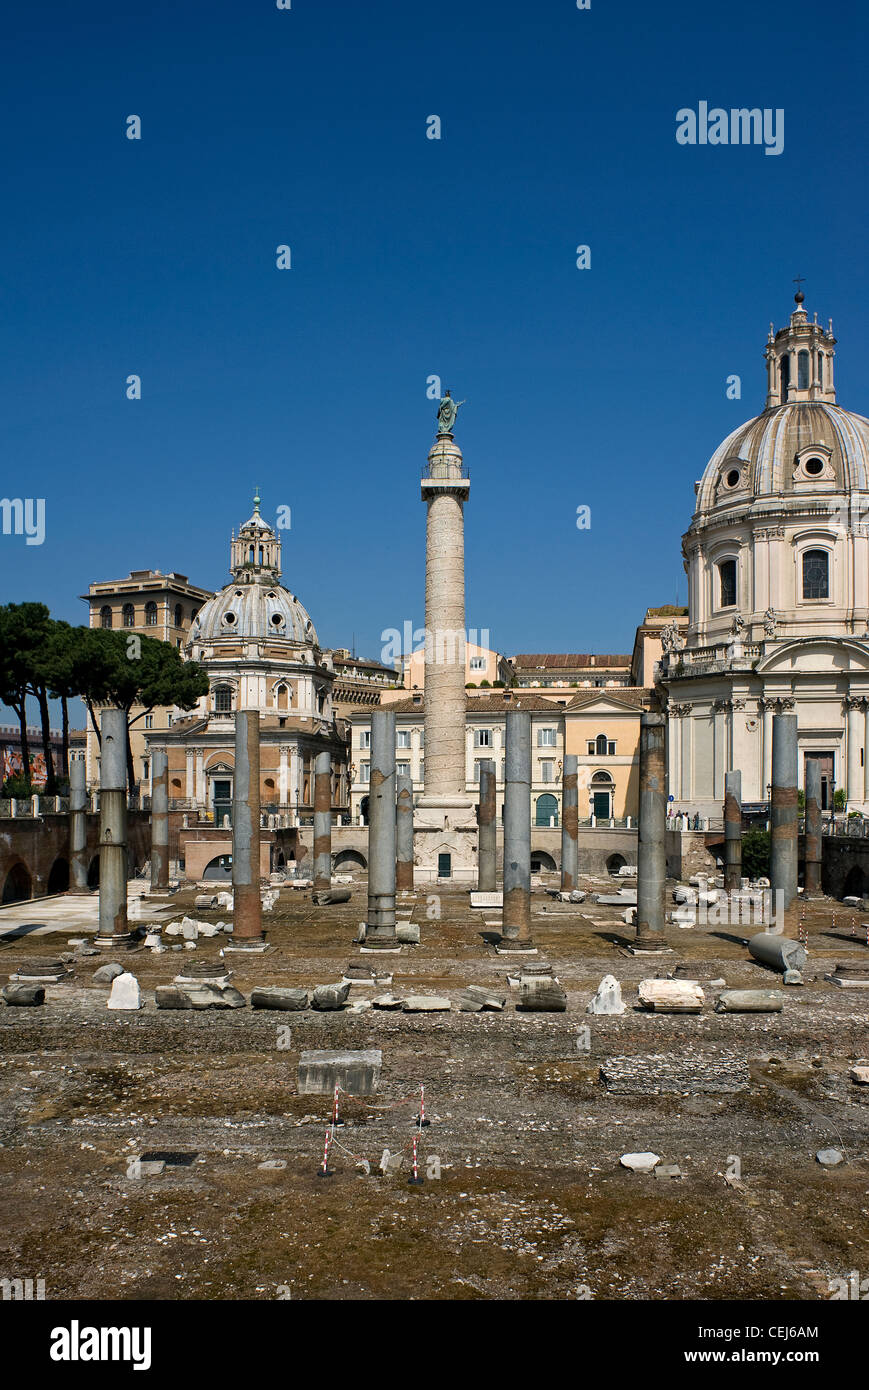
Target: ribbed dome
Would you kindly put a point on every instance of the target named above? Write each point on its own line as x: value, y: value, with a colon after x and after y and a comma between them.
x: 771, y: 454
x: 254, y: 611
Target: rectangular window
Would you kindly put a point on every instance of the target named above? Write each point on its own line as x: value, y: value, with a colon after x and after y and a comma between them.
x: 591, y: 747
x: 546, y: 770
x: 364, y: 772
x: 364, y: 738
x: 421, y: 770
x: 402, y: 738
x: 546, y: 738
x: 402, y: 769
x: 482, y: 738
x: 148, y: 721
x: 477, y: 766
x: 727, y: 584
x: 816, y: 574
x: 611, y: 748
x: 478, y: 663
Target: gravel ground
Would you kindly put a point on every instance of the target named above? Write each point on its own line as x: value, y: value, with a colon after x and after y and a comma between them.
x: 531, y: 1202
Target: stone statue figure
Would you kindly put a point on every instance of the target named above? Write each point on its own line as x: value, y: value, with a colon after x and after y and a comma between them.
x: 738, y: 625
x: 769, y: 622
x: 447, y: 412
x: 671, y: 638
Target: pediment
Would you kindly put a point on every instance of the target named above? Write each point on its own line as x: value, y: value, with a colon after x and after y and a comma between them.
x: 816, y: 654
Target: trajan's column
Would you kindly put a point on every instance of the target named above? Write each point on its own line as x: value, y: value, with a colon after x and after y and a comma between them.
x: 444, y: 819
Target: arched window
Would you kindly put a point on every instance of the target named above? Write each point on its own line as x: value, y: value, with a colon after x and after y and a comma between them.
x: 105, y: 616
x: 821, y: 370
x: 816, y: 574
x: 250, y: 556
x: 803, y: 370
x: 600, y: 744
x: 150, y: 613
x: 785, y: 378
x: 727, y: 584
x: 179, y: 615
x: 129, y: 615
x: 222, y: 699
x: 282, y: 697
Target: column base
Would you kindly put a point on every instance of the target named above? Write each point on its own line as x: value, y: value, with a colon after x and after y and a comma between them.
x: 108, y: 943
x: 252, y: 948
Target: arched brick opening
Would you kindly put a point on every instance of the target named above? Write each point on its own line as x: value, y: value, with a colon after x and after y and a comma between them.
x: 219, y: 869
x: 58, y: 876
x: 18, y: 885
x: 541, y: 862
x: 350, y: 859
x: 615, y: 862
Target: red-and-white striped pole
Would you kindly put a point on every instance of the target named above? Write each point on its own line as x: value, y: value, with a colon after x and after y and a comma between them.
x: 415, y: 1180
x: 422, y: 1122
x: 335, y: 1120
x: 326, y: 1171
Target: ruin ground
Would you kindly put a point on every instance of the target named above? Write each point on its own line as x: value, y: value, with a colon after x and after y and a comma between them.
x: 531, y: 1202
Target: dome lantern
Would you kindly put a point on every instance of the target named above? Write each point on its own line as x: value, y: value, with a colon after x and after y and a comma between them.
x: 255, y: 555
x: 799, y: 360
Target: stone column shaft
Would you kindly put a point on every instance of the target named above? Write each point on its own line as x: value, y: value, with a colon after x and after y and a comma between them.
x: 855, y: 771
x: 78, y: 833
x: 732, y: 831
x: 113, y: 828
x: 322, y: 823
x: 404, y: 833
x: 247, y: 914
x: 652, y: 849
x: 570, y: 824
x: 159, y: 821
x: 813, y: 841
x: 487, y: 829
x: 445, y: 647
x: 517, y: 829
x: 381, y: 831
x: 784, y: 844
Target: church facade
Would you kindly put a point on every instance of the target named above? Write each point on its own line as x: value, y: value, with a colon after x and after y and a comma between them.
x: 777, y: 558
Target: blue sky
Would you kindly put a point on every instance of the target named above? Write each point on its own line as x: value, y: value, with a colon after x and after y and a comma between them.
x: 410, y: 257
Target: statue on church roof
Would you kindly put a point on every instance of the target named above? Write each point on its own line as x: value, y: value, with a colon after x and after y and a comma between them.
x: 447, y: 412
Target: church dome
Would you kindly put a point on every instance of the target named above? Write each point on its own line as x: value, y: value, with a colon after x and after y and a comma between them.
x: 255, y: 606
x: 787, y: 449
x: 803, y: 442
x: 254, y: 611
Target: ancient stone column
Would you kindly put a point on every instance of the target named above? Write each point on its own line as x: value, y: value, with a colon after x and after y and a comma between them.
x: 487, y: 829
x: 732, y: 831
x: 113, y: 828
x: 783, y: 826
x: 159, y: 821
x: 380, y: 930
x: 813, y: 841
x: 322, y: 823
x: 445, y: 802
x: 78, y: 830
x: 517, y: 831
x: 404, y: 833
x: 247, y: 903
x: 570, y: 824
x: 652, y: 847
